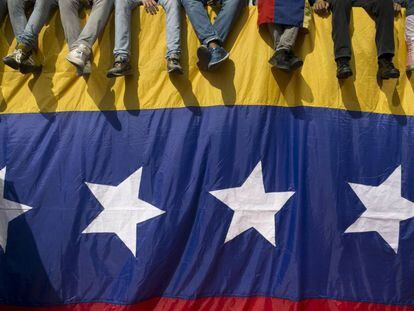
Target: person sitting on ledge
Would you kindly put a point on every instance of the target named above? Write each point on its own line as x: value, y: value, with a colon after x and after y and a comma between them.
x: 283, y: 20
x: 123, y: 10
x: 26, y: 32
x: 383, y: 13
x: 3, y: 10
x: 81, y: 48
x: 211, y: 53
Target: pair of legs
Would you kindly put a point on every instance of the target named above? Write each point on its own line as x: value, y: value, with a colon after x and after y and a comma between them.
x: 382, y: 11
x: 80, y: 39
x: 122, y: 50
x: 212, y: 35
x: 284, y: 38
x: 27, y: 31
x: 74, y: 33
x: 17, y: 12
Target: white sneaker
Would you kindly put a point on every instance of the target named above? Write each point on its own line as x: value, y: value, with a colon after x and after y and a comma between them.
x: 410, y: 55
x: 79, y: 56
x: 85, y: 70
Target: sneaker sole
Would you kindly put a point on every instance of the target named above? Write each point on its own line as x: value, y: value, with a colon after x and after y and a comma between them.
x: 387, y: 77
x: 116, y: 75
x: 214, y: 66
x: 282, y: 68
x: 177, y: 71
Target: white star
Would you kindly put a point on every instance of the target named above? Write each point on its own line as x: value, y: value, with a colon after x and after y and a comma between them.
x: 385, y: 209
x: 122, y: 210
x: 253, y: 207
x: 8, y: 211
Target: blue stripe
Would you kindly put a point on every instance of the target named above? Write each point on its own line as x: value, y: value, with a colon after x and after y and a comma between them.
x: 186, y: 153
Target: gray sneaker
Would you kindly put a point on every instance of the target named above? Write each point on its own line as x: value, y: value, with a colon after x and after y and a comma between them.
x: 79, y: 56
x: 173, y: 65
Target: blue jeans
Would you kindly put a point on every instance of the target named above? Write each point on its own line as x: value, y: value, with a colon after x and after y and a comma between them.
x: 207, y: 32
x: 101, y: 9
x: 123, y: 11
x: 18, y: 19
x: 27, y: 32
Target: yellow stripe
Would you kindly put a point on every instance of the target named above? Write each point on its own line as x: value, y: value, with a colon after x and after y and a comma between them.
x: 246, y: 80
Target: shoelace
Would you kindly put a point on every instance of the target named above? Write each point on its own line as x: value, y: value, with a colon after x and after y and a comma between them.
x: 18, y: 55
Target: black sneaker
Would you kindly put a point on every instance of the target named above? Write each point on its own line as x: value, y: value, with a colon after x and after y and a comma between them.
x: 280, y: 60
x: 387, y: 70
x: 344, y: 70
x: 19, y: 55
x: 294, y: 61
x: 31, y: 65
x: 173, y: 65
x: 204, y: 57
x: 121, y: 68
x: 218, y: 56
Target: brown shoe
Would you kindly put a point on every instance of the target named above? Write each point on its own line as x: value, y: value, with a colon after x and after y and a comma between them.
x: 121, y: 67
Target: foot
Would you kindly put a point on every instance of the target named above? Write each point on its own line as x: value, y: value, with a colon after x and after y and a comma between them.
x: 344, y: 70
x: 387, y: 70
x: 20, y: 54
x: 79, y: 56
x: 294, y: 61
x: 204, y: 57
x: 280, y: 60
x: 218, y: 56
x: 173, y: 65
x: 31, y: 65
x: 121, y: 67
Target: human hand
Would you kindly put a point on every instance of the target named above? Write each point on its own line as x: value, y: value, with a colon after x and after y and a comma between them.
x: 397, y: 8
x: 150, y: 6
x: 321, y: 7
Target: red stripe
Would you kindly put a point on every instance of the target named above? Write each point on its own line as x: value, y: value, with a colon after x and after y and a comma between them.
x: 266, y: 11
x: 222, y: 304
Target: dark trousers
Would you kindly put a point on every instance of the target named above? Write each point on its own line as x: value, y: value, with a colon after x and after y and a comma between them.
x: 382, y: 11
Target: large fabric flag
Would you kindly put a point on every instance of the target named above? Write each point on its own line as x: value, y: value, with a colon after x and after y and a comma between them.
x: 241, y: 189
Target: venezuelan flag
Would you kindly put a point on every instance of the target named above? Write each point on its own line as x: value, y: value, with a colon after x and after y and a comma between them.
x: 241, y: 189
